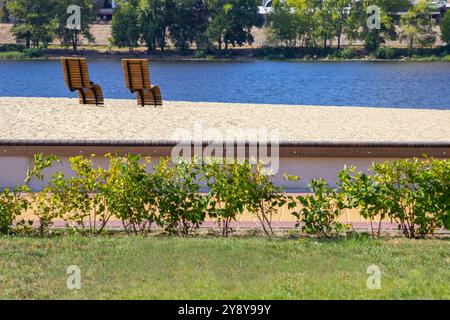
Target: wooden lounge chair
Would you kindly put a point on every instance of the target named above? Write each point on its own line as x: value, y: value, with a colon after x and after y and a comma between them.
x: 76, y: 76
x: 137, y: 79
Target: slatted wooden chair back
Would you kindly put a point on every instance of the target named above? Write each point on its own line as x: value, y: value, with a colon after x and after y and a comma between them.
x: 137, y: 79
x: 76, y: 77
x: 137, y: 76
x: 76, y: 74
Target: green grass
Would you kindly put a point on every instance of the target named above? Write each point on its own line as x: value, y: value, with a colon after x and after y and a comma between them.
x: 213, y: 268
x: 26, y: 55
x: 12, y: 55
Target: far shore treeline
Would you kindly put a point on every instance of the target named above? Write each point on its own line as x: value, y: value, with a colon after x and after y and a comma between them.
x: 221, y: 24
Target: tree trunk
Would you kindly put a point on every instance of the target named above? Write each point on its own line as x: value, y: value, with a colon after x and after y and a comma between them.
x: 74, y: 43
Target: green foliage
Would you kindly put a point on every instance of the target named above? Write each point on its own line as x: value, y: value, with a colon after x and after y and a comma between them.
x: 318, y: 23
x: 445, y: 28
x: 385, y: 53
x: 155, y: 16
x: 415, y: 194
x: 364, y: 192
x: 347, y: 53
x: 182, y: 207
x: 231, y: 22
x: 264, y: 198
x: 9, y: 52
x: 285, y: 27
x: 80, y: 200
x: 417, y: 26
x: 4, y: 12
x: 12, y: 205
x: 190, y: 20
x: 41, y: 202
x: 320, y: 211
x: 229, y: 191
x: 130, y: 193
x: 125, y: 25
x: 71, y: 37
x: 36, y: 20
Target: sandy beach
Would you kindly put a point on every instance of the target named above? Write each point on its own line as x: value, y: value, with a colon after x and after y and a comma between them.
x: 62, y: 118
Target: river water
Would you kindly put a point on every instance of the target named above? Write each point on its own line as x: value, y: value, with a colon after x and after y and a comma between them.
x: 421, y: 85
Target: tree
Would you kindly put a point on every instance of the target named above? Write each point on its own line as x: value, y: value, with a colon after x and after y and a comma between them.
x: 232, y: 21
x: 125, y: 24
x: 189, y: 23
x: 71, y: 37
x: 154, y: 19
x: 36, y: 20
x: 4, y: 13
x: 285, y: 25
x: 445, y: 28
x: 417, y: 26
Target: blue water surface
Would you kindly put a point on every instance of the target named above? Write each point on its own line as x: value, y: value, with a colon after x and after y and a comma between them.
x: 421, y: 85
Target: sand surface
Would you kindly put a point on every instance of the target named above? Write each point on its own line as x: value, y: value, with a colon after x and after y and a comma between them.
x: 56, y: 118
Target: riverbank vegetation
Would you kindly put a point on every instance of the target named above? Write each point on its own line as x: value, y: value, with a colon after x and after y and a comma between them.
x: 18, y: 52
x: 296, y: 29
x: 177, y: 198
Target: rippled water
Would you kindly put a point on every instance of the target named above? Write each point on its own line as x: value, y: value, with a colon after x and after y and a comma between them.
x: 377, y: 84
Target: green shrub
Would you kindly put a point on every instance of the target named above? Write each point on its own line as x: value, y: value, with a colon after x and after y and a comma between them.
x: 319, y: 212
x: 12, y: 47
x: 264, y: 198
x: 199, y: 54
x: 385, y: 53
x: 12, y: 55
x: 130, y: 193
x: 33, y: 53
x: 80, y: 200
x: 182, y: 208
x: 18, y: 52
x: 41, y: 202
x: 445, y: 28
x: 228, y: 184
x: 363, y: 191
x: 413, y: 193
x: 347, y: 53
x: 12, y: 205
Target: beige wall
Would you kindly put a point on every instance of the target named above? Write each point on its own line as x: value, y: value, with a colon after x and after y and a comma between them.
x: 13, y: 170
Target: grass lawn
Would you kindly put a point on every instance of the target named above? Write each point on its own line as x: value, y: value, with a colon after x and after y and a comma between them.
x: 215, y: 268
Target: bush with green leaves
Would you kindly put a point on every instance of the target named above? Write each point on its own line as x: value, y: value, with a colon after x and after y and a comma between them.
x: 364, y: 191
x: 319, y: 211
x: 229, y: 191
x: 413, y: 193
x: 385, y: 53
x: 130, y: 193
x: 80, y: 200
x: 264, y: 198
x: 12, y: 205
x: 181, y: 206
x: 41, y: 202
x: 445, y: 28
x: 347, y: 53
